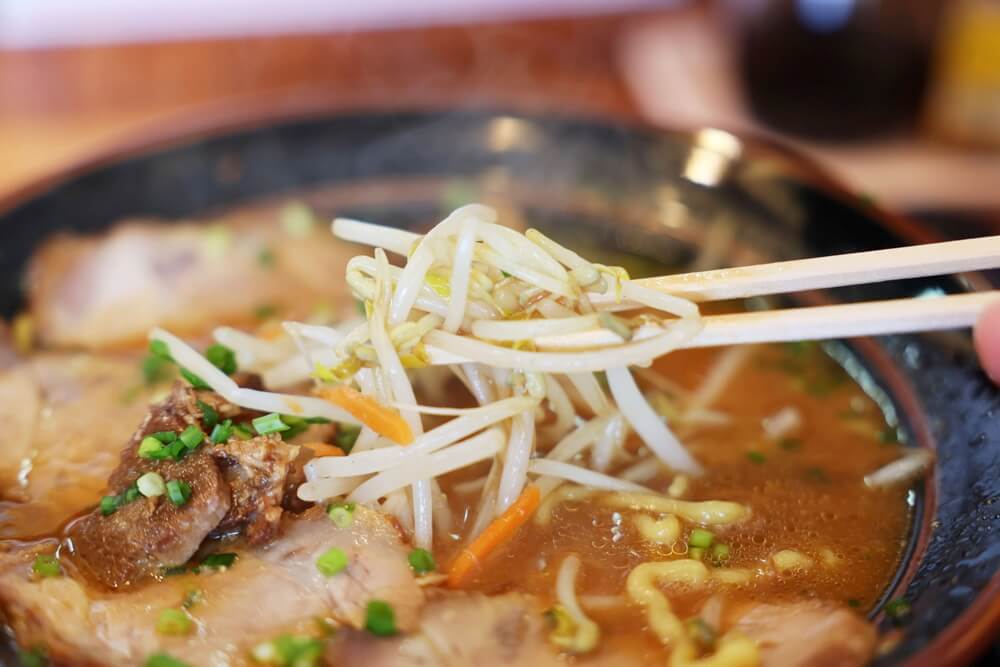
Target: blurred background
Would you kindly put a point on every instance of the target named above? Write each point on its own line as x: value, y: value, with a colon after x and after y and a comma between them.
x: 899, y: 98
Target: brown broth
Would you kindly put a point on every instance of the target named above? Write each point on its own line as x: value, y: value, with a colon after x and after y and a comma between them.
x: 805, y: 493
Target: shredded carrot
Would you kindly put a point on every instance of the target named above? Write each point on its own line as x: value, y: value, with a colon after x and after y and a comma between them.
x: 500, y: 532
x: 384, y: 421
x: 324, y: 449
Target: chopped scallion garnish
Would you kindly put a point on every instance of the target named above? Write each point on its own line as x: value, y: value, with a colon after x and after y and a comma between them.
x: 720, y: 553
x: 110, y: 504
x: 696, y: 553
x: 265, y: 311
x: 222, y: 357
x: 178, y: 491
x: 756, y: 457
x: 222, y: 432
x: 151, y: 448
x: 701, y: 538
x: 160, y: 349
x: 154, y: 369
x: 266, y: 258
x: 332, y: 561
x: 817, y: 475
x: 341, y: 514
x: 192, y: 436
x: 151, y: 485
x: 35, y: 657
x: 270, y: 424
x: 898, y: 610
x: 174, y: 623
x: 131, y: 494
x: 790, y: 444
x: 380, y: 619
x: 242, y: 431
x: 192, y: 597
x: 208, y: 415
x: 46, y: 566
x: 195, y: 380
x: 289, y: 651
x: 346, y: 436
x: 217, y: 561
x: 164, y: 660
x: 422, y: 561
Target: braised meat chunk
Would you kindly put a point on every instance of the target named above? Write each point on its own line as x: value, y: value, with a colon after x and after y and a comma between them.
x: 173, y: 489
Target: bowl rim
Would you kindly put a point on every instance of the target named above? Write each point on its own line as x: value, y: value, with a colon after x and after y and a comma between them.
x: 962, y: 641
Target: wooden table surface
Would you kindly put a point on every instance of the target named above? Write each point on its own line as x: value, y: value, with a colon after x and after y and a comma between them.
x: 58, y: 107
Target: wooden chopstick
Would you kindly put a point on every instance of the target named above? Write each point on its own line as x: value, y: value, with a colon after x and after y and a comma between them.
x: 932, y: 259
x: 812, y: 323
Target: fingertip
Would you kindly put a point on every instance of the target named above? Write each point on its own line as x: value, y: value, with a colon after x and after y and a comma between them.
x: 986, y: 336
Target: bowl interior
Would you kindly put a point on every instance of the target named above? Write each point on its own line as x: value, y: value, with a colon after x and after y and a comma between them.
x: 701, y: 200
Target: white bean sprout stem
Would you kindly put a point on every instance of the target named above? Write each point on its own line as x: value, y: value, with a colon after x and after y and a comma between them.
x: 487, y: 297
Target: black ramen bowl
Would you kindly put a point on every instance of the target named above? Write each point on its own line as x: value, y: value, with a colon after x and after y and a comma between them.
x: 675, y: 199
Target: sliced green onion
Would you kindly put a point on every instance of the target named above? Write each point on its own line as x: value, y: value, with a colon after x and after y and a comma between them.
x: 266, y: 258
x: 130, y: 495
x: 296, y: 426
x: 218, y: 561
x: 422, y: 561
x: 756, y: 457
x: 151, y: 448
x: 265, y: 311
x: 166, y: 437
x: 380, y: 619
x: 35, y: 657
x: 289, y: 651
x: 110, y: 504
x: 46, y: 566
x: 696, y: 553
x: 898, y: 610
x: 151, y: 485
x: 853, y: 603
x: 195, y: 380
x: 208, y: 414
x: 178, y: 491
x: 242, y: 431
x: 164, y: 660
x: 346, y: 436
x: 269, y: 424
x: 222, y: 357
x: 790, y: 444
x: 817, y: 475
x: 174, y: 623
x: 222, y: 432
x: 154, y: 369
x: 192, y: 436
x: 701, y: 538
x: 176, y: 450
x: 341, y: 514
x: 720, y: 553
x: 332, y: 561
x: 160, y: 349
x: 192, y: 597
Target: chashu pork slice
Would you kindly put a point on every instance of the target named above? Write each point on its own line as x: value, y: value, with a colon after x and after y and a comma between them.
x: 267, y: 591
x: 110, y: 290
x: 65, y: 418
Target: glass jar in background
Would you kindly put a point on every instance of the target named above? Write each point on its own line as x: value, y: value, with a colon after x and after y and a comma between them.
x: 834, y: 69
